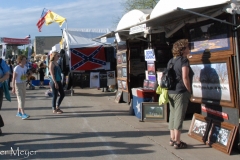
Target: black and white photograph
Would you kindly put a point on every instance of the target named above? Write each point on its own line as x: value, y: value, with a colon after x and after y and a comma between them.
x: 119, y: 84
x: 124, y: 71
x: 199, y: 127
x: 124, y: 57
x: 220, y: 135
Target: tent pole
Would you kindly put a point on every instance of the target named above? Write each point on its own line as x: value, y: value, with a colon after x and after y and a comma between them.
x: 237, y: 61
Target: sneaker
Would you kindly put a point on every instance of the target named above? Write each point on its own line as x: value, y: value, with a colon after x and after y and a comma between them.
x: 25, y: 116
x: 19, y: 114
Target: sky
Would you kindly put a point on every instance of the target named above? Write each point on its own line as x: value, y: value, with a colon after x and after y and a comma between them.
x: 18, y: 18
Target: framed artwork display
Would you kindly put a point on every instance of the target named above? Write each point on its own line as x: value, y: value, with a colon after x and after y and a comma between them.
x: 124, y: 57
x: 124, y: 71
x: 145, y: 84
x: 213, y: 81
x: 119, y: 59
x: 199, y: 127
x: 221, y: 136
x: 124, y: 85
x: 151, y: 68
x: 152, y: 111
x: 119, y: 71
x: 118, y: 96
x: 119, y: 84
x: 152, y: 85
x: 213, y: 36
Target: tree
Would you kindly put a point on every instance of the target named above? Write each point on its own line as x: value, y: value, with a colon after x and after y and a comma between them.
x: 139, y: 4
x: 129, y: 5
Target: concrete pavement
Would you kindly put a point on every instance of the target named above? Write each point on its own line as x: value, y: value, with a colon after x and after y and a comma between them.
x: 92, y: 126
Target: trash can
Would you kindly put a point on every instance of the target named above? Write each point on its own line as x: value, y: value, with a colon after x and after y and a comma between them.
x: 140, y: 95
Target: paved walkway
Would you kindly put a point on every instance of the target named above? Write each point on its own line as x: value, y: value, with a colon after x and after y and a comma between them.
x: 93, y: 126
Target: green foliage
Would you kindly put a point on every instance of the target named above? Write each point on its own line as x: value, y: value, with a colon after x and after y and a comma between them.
x: 139, y: 4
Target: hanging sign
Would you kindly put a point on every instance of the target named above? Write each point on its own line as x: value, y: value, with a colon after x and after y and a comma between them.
x: 149, y: 55
x: 138, y: 29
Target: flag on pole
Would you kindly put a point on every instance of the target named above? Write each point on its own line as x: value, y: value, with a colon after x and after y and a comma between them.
x: 49, y: 17
x: 53, y: 17
x: 41, y: 21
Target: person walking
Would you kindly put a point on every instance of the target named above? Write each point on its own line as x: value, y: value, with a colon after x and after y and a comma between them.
x: 9, y: 62
x: 42, y: 74
x: 19, y: 85
x: 179, y: 97
x: 4, y: 75
x: 55, y: 82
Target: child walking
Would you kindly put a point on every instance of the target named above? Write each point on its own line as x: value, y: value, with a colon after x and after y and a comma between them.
x: 19, y: 85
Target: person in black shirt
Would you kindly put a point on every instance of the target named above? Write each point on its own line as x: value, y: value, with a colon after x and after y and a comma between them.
x: 9, y: 62
x: 179, y: 97
x: 42, y: 74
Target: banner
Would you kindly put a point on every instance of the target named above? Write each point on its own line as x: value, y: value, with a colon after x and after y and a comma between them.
x: 87, y: 58
x: 111, y: 78
x: 4, y: 50
x: 15, y: 40
x: 94, y: 80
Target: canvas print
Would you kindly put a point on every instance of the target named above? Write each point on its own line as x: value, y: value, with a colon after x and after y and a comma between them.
x: 119, y: 84
x: 124, y: 71
x: 211, y: 81
x: 119, y: 71
x: 119, y: 59
x: 152, y: 85
x: 124, y: 85
x: 221, y: 136
x: 153, y: 111
x: 124, y: 58
x: 212, y: 36
x: 151, y: 68
x: 145, y: 84
x: 199, y: 127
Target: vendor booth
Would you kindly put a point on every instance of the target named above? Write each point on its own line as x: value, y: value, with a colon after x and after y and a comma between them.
x: 91, y: 63
x: 213, y: 34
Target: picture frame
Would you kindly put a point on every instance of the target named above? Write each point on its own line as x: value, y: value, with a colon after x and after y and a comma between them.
x: 119, y: 84
x: 124, y: 71
x: 221, y: 136
x: 199, y: 127
x: 119, y: 59
x: 145, y: 84
x: 118, y: 96
x: 152, y: 111
x: 213, y: 81
x: 151, y: 68
x: 124, y: 85
x: 119, y: 71
x: 124, y: 57
x: 213, y: 36
x: 152, y: 85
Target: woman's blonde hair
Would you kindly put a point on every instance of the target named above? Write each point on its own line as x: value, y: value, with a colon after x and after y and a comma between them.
x: 20, y: 58
x: 179, y: 46
x: 53, y: 54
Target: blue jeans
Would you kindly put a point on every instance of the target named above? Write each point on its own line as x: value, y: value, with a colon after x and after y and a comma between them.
x: 55, y: 94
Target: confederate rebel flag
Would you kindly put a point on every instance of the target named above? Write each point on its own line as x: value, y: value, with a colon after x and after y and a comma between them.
x: 87, y: 58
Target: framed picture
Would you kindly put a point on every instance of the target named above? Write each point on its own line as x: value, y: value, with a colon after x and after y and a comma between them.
x: 152, y: 85
x: 199, y: 127
x: 118, y: 96
x: 124, y: 71
x: 152, y: 111
x: 213, y: 81
x: 119, y: 71
x: 124, y: 57
x: 213, y: 36
x: 151, y: 68
x: 124, y: 85
x: 145, y: 84
x: 119, y: 59
x: 119, y: 84
x: 221, y: 136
